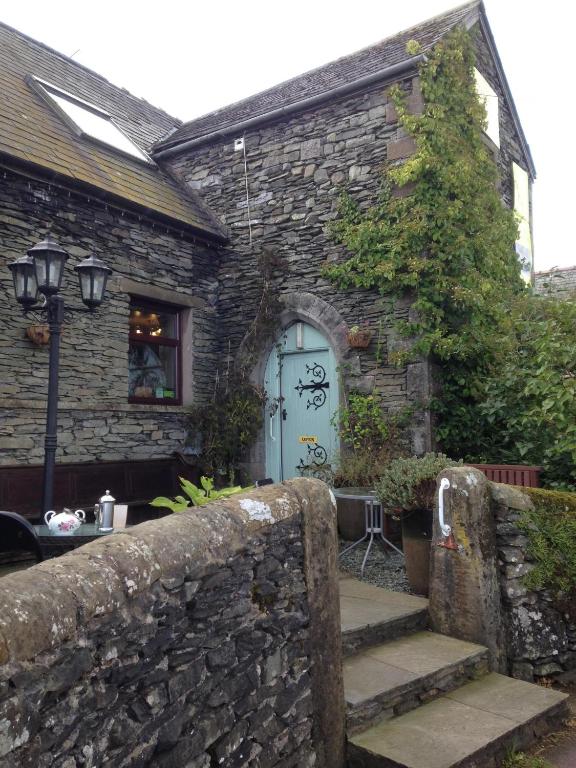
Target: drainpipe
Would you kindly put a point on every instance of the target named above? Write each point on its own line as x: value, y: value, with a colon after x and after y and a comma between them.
x: 240, y: 127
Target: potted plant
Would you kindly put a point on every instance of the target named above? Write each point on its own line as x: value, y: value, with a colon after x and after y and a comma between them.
x: 359, y: 336
x: 407, y: 487
x: 371, y: 437
x: 38, y: 334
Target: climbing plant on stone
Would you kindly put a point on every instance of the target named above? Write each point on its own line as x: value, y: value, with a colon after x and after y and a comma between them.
x: 450, y: 241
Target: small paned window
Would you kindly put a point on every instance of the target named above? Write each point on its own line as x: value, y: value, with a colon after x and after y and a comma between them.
x: 154, y: 354
x: 489, y: 98
x: 88, y: 120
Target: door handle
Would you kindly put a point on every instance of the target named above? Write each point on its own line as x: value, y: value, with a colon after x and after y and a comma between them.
x: 444, y: 527
x: 284, y: 414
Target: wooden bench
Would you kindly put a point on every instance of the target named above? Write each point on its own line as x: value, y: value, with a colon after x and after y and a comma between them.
x: 80, y: 485
x: 511, y: 474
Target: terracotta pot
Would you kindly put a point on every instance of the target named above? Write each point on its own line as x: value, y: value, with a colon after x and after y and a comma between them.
x: 416, y: 543
x: 38, y: 334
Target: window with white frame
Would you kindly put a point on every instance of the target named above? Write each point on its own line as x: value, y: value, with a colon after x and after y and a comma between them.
x: 489, y: 98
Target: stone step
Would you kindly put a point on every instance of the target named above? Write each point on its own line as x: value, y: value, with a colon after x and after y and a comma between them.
x: 387, y: 680
x: 471, y: 727
x: 371, y: 615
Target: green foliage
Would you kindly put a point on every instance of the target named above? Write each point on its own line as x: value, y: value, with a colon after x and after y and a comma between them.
x: 196, y: 496
x: 450, y: 242
x: 506, y: 361
x: 522, y: 409
x: 229, y: 425
x: 551, y: 530
x: 409, y: 483
x: 522, y: 760
x: 363, y: 423
x: 371, y: 437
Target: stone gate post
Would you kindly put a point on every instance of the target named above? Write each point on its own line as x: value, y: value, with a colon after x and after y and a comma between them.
x: 464, y: 585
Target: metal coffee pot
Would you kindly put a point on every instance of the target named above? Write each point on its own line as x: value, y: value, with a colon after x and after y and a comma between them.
x: 104, y: 512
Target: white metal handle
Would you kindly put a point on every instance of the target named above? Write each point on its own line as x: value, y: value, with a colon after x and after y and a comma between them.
x: 272, y: 428
x: 444, y: 485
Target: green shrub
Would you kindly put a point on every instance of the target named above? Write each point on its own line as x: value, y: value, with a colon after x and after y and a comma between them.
x: 551, y: 531
x: 409, y: 484
x: 361, y: 468
x: 371, y: 438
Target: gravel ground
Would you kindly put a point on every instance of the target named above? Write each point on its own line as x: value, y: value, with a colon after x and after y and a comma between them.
x: 384, y: 568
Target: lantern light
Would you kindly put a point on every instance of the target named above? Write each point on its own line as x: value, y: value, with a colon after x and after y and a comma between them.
x: 93, y: 276
x: 49, y: 260
x: 25, y: 285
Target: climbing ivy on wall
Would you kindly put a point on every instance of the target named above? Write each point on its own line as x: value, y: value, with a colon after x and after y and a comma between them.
x: 440, y: 233
x: 450, y: 241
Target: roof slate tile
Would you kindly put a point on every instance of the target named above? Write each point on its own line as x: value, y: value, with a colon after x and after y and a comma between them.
x: 345, y: 70
x: 31, y: 131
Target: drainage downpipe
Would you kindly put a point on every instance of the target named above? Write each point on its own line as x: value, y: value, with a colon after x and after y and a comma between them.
x: 342, y: 90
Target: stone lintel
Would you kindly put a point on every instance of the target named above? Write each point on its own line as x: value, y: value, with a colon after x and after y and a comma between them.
x: 154, y: 292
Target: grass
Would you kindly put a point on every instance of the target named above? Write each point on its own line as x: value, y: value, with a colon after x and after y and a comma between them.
x: 521, y: 760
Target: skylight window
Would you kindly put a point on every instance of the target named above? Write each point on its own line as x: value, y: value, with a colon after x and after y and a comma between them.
x: 88, y: 120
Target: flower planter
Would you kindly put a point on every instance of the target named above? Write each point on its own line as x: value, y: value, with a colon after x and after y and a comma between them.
x: 359, y: 339
x: 38, y: 334
x: 416, y: 543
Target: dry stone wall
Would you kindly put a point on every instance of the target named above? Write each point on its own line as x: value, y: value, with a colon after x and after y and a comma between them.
x: 541, y: 640
x: 96, y: 421
x: 203, y: 639
x: 477, y: 588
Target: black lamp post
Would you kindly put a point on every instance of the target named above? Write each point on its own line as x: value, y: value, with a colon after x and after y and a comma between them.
x: 41, y: 272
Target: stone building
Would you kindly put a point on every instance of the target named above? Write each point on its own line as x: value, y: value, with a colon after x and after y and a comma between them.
x: 183, y: 214
x: 559, y: 282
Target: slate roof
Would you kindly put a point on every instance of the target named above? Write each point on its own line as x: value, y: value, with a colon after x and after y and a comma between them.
x: 347, y: 69
x: 32, y: 132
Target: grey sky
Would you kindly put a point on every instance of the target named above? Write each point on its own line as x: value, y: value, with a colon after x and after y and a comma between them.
x: 190, y: 58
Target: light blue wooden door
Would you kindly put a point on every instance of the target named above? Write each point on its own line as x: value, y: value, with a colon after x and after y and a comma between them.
x: 302, y: 386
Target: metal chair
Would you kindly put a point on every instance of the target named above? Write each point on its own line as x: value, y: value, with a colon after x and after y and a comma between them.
x: 18, y: 536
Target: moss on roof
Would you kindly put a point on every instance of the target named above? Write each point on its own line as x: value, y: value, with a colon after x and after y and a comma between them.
x: 32, y: 132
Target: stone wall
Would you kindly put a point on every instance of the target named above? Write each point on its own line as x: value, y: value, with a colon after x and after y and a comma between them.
x: 541, y: 641
x: 560, y: 282
x: 96, y: 421
x: 477, y: 589
x: 202, y: 639
x: 296, y: 168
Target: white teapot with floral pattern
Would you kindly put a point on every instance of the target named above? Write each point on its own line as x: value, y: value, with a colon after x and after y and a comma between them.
x: 64, y: 523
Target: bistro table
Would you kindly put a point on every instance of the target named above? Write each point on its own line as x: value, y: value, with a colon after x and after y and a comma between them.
x: 56, y: 545
x: 373, y: 519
